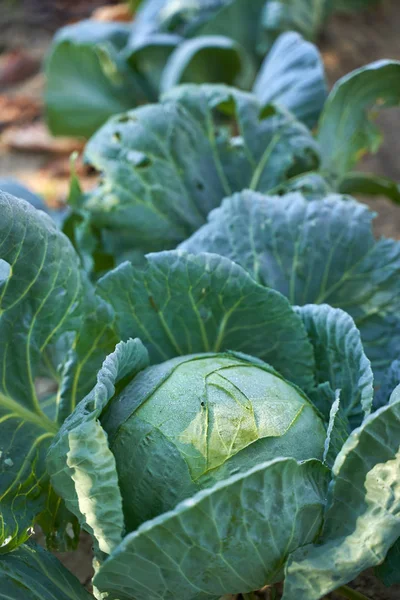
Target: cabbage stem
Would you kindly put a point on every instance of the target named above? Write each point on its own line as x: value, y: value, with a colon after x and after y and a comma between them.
x: 351, y: 594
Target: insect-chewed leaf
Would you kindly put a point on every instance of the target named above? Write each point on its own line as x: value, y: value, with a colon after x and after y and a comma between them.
x: 182, y: 304
x: 233, y: 536
x: 166, y: 166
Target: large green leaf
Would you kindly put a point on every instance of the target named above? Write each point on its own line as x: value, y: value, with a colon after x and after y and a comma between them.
x: 40, y: 284
x: 340, y: 362
x: 346, y: 132
x: 293, y: 76
x: 87, y: 80
x: 315, y: 252
x: 81, y: 465
x: 164, y: 167
x: 181, y: 304
x: 233, y: 537
x: 32, y: 573
x: 363, y: 519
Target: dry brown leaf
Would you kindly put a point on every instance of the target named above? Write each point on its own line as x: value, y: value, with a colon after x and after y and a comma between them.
x: 36, y: 138
x: 119, y: 12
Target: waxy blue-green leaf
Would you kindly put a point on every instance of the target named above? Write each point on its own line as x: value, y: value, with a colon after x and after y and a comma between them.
x: 211, y: 58
x: 32, y: 573
x: 233, y: 537
x: 363, y: 518
x: 50, y: 321
x: 293, y: 76
x: 164, y: 167
x: 40, y: 284
x: 87, y: 80
x: 315, y: 252
x: 340, y: 362
x: 81, y: 465
x: 346, y: 131
x: 182, y: 304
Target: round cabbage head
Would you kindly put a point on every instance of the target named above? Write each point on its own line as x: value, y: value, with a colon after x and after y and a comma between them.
x: 181, y: 426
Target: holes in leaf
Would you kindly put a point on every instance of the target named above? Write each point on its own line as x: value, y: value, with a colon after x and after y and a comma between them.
x: 199, y: 186
x: 116, y: 137
x: 5, y: 271
x: 138, y: 159
x: 267, y: 112
x: 125, y: 118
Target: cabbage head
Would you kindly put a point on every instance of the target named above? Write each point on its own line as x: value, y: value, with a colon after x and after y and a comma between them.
x: 181, y: 426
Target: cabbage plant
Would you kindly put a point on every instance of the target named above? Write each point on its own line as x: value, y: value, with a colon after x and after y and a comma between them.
x: 204, y: 431
x: 95, y: 70
x: 164, y: 167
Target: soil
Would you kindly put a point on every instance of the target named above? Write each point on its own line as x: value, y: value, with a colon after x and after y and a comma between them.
x: 348, y: 42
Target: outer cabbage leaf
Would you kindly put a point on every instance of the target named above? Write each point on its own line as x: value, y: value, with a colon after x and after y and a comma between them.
x: 340, y: 362
x: 165, y: 166
x: 363, y: 518
x: 80, y: 462
x: 87, y: 80
x: 31, y: 572
x: 232, y: 537
x: 181, y: 304
x: 40, y: 283
x: 346, y: 132
x: 315, y: 252
x: 293, y: 76
x: 50, y: 321
x: 389, y: 571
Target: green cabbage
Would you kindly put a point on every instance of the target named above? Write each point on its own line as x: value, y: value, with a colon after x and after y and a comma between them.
x: 181, y: 426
